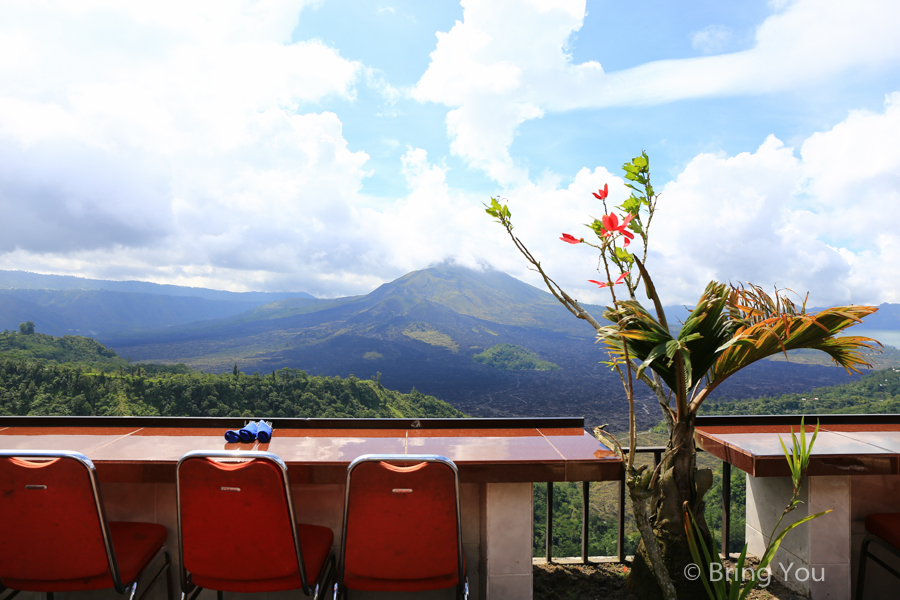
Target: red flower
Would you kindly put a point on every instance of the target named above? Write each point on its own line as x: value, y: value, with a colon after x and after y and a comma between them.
x: 603, y: 284
x: 571, y: 239
x: 602, y: 194
x: 611, y: 225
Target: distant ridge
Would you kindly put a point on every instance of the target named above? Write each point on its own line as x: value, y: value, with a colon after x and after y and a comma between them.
x: 25, y: 280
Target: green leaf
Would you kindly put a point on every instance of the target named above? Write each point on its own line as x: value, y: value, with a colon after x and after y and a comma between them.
x: 623, y: 254
x: 658, y: 351
x: 790, y: 461
x: 774, y: 544
x: 739, y: 568
x: 632, y: 205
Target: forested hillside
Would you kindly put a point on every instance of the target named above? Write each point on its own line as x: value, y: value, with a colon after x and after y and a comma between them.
x: 875, y: 392
x: 513, y: 358
x: 58, y: 350
x: 95, y: 381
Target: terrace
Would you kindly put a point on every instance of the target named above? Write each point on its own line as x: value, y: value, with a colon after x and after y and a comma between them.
x: 855, y: 470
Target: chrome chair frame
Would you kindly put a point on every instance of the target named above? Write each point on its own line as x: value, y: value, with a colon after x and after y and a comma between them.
x: 462, y: 587
x: 119, y: 585
x: 187, y: 587
x: 864, y: 555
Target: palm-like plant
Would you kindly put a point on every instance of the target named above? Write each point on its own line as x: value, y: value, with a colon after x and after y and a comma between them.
x: 730, y: 328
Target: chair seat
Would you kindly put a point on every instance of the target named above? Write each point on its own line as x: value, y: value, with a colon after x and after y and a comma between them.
x: 886, y: 526
x: 374, y: 584
x: 135, y: 545
x: 316, y: 543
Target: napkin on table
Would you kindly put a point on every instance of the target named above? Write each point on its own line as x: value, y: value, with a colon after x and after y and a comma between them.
x: 264, y: 432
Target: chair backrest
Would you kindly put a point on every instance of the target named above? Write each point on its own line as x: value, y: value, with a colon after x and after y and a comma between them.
x: 236, y: 517
x: 52, y: 522
x: 402, y: 523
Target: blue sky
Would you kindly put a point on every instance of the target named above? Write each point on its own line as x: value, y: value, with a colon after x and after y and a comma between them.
x: 329, y: 146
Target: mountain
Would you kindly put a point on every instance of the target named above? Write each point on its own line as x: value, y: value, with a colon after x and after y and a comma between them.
x: 422, y: 331
x: 63, y: 305
x: 24, y: 280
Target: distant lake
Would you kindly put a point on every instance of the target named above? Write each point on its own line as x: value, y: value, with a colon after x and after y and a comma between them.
x: 888, y: 337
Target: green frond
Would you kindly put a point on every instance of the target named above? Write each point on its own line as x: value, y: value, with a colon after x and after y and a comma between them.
x: 784, y: 332
x: 728, y: 329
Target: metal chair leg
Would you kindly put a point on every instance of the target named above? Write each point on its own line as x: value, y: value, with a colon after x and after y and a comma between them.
x: 861, y: 573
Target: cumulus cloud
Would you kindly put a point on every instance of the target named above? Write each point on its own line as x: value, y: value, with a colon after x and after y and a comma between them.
x: 508, y: 61
x: 824, y: 221
x: 190, y: 144
x: 820, y: 218
x: 177, y: 135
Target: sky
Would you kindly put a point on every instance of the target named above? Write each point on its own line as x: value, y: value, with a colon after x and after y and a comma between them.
x: 331, y: 146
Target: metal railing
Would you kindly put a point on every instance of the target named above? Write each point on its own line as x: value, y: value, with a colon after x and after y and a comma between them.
x: 657, y: 451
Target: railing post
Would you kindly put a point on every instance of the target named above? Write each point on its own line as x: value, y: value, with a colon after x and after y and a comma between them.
x: 585, y: 512
x: 620, y: 549
x: 549, y: 521
x: 726, y: 506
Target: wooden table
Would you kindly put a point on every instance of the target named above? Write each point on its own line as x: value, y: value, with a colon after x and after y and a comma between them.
x: 498, y: 459
x: 854, y: 470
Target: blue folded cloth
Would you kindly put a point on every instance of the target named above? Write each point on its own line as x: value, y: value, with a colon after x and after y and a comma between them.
x: 233, y: 436
x: 248, y: 432
x: 264, y: 432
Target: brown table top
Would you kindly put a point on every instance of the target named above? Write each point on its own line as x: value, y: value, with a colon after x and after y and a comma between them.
x: 502, y: 454
x: 840, y: 448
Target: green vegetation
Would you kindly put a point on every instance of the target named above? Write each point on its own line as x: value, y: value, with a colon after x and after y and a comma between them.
x: 72, y: 375
x: 877, y: 392
x: 428, y: 334
x: 513, y: 358
x: 37, y: 388
x: 69, y: 349
x: 603, y: 517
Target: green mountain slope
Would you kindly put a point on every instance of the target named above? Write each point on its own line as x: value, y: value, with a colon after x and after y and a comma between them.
x: 95, y: 381
x: 513, y: 358
x: 422, y: 331
x: 53, y: 350
x: 876, y: 392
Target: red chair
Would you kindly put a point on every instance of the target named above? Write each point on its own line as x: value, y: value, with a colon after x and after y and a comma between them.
x: 54, y: 536
x: 884, y: 530
x: 402, y: 528
x: 237, y: 531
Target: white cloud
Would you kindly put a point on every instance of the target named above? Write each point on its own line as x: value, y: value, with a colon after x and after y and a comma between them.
x: 508, y: 61
x: 822, y: 218
x: 191, y: 145
x: 824, y: 222
x: 711, y: 39
x: 174, y: 138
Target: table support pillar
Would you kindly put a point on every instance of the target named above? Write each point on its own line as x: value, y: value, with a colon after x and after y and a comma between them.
x: 507, y: 524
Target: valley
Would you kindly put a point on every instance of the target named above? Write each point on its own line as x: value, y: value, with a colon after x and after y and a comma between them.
x: 419, y: 332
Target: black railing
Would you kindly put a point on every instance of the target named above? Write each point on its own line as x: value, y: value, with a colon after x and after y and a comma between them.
x: 620, y: 535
